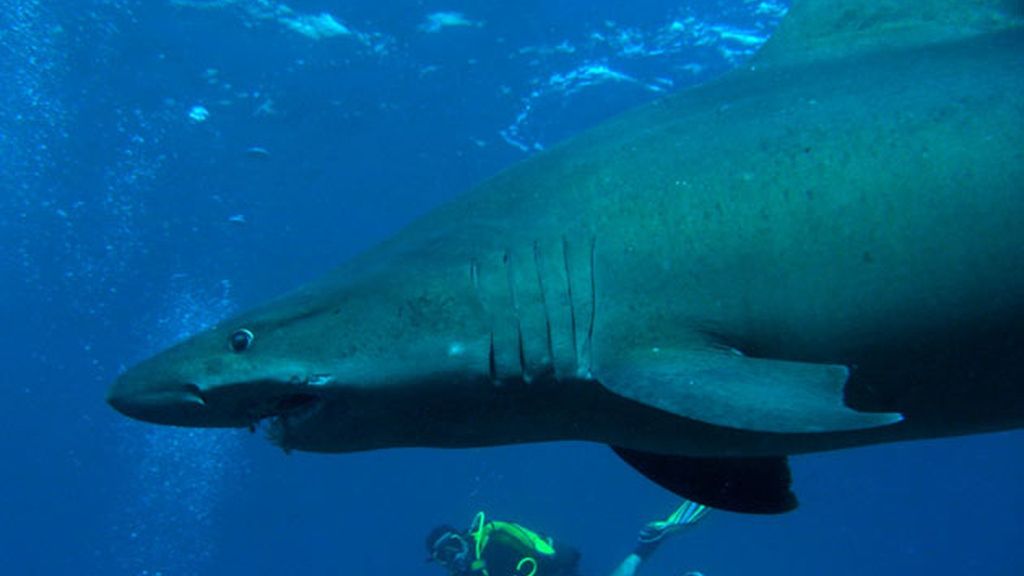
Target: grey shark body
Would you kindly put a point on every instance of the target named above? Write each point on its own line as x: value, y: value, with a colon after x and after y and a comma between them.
x: 822, y: 250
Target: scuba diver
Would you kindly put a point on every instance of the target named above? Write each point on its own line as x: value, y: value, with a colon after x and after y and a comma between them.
x: 497, y: 548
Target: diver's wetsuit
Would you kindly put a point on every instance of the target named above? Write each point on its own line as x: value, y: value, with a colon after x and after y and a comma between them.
x: 507, y: 549
x: 504, y: 556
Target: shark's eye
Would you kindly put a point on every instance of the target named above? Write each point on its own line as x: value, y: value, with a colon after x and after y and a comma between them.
x: 240, y: 340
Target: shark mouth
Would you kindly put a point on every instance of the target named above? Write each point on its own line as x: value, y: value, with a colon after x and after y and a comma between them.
x: 286, y: 413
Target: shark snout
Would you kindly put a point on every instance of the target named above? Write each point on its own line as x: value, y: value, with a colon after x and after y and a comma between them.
x: 166, y: 403
x: 162, y: 391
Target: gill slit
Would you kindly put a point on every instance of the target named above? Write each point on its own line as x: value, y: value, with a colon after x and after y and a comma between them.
x: 593, y: 306
x: 537, y: 262
x: 572, y: 305
x: 509, y: 269
x: 474, y: 280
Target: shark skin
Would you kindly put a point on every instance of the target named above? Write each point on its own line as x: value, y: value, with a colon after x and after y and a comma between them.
x: 822, y: 250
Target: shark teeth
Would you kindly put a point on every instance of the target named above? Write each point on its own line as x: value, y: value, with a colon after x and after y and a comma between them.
x: 290, y: 412
x: 289, y: 407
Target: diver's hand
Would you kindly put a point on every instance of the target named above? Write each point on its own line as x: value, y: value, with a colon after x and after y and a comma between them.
x: 655, y: 531
x: 651, y: 536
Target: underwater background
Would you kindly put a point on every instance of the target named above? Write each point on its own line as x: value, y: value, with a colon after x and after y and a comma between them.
x: 165, y: 163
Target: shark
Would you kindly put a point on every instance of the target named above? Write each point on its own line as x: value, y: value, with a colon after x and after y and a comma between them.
x: 819, y: 250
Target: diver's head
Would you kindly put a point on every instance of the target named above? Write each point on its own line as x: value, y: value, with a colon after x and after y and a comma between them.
x: 449, y: 547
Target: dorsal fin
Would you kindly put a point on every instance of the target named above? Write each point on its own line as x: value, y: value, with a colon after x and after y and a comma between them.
x: 829, y: 29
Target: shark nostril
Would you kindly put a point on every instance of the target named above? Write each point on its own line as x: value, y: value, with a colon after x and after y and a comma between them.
x: 195, y: 394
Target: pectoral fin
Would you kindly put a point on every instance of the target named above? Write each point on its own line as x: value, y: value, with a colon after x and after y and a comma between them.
x: 748, y: 485
x: 725, y: 388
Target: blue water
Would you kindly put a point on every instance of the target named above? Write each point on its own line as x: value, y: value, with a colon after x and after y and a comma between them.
x: 165, y: 163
